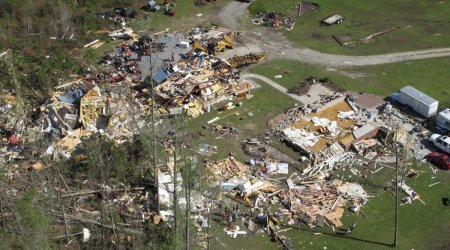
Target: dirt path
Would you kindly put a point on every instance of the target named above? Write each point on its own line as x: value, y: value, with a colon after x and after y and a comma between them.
x: 264, y: 39
x: 277, y: 86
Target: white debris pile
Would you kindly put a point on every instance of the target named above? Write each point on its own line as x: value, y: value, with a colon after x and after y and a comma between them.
x: 346, y: 115
x: 324, y: 122
x: 345, y: 159
x: 234, y: 231
x: 351, y: 189
x: 301, y: 137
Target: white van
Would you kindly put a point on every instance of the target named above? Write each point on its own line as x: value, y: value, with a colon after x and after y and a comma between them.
x: 442, y: 142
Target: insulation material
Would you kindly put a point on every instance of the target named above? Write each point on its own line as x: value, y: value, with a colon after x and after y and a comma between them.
x: 346, y: 115
x: 301, y: 137
x: 350, y: 189
x: 324, y: 122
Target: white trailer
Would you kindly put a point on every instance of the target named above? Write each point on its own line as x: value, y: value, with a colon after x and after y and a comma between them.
x: 418, y: 101
x: 443, y: 119
x: 334, y: 19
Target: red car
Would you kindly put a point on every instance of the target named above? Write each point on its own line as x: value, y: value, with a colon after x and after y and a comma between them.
x: 440, y: 160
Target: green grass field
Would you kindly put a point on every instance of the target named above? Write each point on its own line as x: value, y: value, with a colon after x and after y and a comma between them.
x: 265, y: 104
x: 422, y: 24
x: 431, y: 76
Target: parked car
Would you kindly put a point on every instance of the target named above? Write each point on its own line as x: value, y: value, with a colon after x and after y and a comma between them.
x: 440, y: 160
x: 442, y: 142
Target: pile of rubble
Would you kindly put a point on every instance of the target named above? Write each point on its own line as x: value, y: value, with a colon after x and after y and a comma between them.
x: 327, y: 126
x: 12, y: 129
x: 177, y: 72
x: 226, y: 168
x: 274, y: 20
x: 223, y: 131
x: 198, y: 85
x: 187, y: 74
x: 245, y: 60
x: 316, y: 202
x: 338, y: 131
x: 315, y: 199
x: 120, y: 16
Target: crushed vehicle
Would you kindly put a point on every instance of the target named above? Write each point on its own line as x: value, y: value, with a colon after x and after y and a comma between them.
x: 274, y: 20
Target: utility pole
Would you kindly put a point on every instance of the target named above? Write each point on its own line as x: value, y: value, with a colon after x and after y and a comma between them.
x: 396, y: 196
x: 209, y: 207
x: 155, y: 167
x: 3, y: 215
x: 194, y: 162
x: 175, y: 197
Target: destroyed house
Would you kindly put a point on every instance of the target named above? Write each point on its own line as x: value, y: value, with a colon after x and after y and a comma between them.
x: 329, y: 130
x: 365, y: 132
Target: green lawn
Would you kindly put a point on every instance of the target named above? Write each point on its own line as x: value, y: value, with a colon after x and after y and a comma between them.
x: 422, y: 24
x: 431, y: 76
x: 265, y: 104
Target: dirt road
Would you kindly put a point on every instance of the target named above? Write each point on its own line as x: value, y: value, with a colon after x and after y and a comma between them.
x: 249, y: 77
x: 264, y: 39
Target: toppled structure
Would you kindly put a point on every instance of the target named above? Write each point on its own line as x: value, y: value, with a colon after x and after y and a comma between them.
x: 313, y: 131
x: 200, y: 80
x: 333, y: 125
x: 317, y: 202
x: 245, y: 60
x: 274, y: 20
x: 305, y: 7
x: 83, y: 108
x: 197, y: 87
x: 184, y: 69
x: 226, y: 168
x: 116, y: 99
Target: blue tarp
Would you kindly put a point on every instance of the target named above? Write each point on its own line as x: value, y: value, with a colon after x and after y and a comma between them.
x: 71, y: 96
x: 160, y: 76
